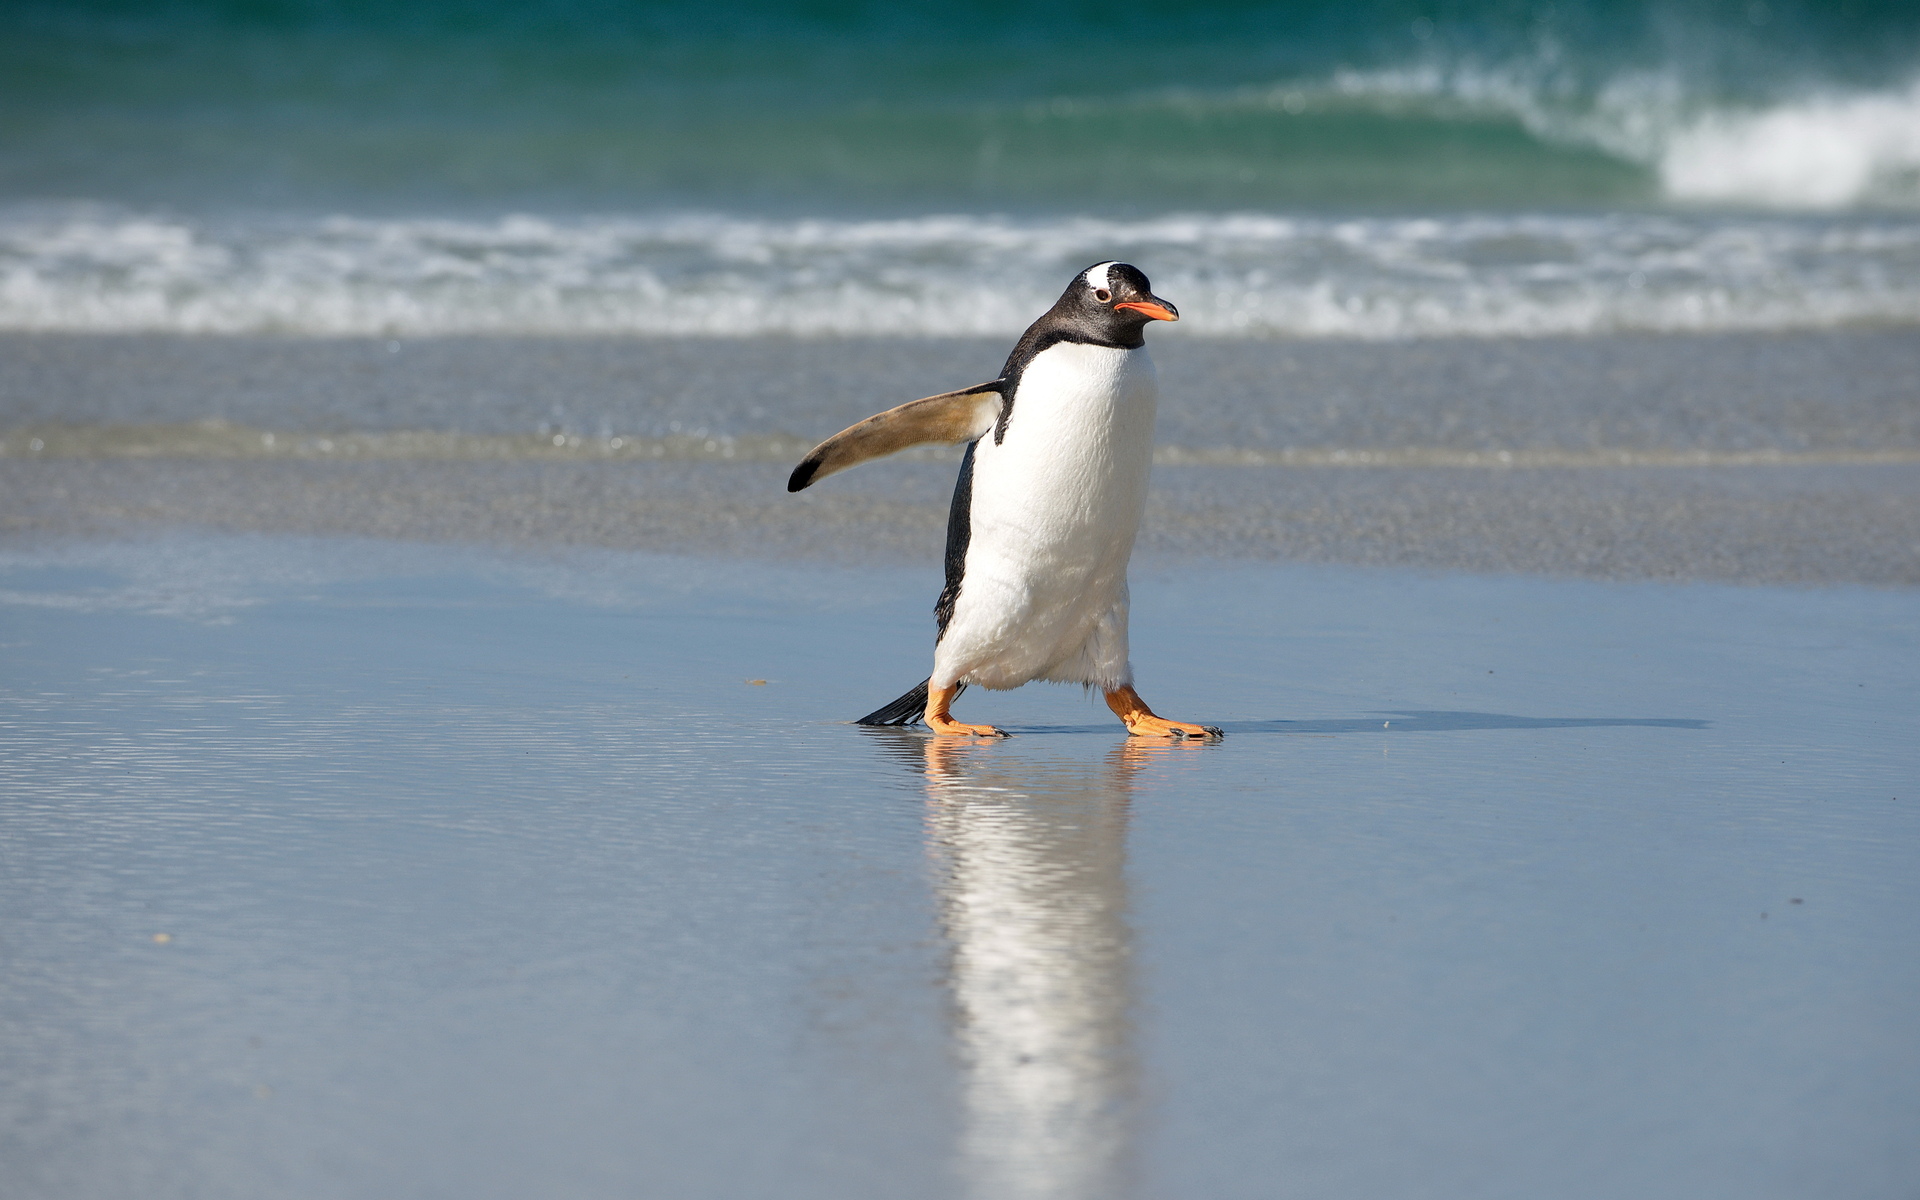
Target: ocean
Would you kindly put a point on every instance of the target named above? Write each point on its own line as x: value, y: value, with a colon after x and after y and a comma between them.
x: 1307, y: 170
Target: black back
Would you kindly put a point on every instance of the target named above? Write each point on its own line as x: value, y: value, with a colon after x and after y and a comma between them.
x: 959, y: 535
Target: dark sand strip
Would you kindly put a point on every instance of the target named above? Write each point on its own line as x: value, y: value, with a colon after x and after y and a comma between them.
x: 223, y: 439
x: 452, y: 439
x: 1846, y: 390
x: 1771, y: 524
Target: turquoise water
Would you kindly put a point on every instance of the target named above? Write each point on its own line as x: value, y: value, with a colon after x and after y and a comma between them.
x: 1316, y: 170
x: 1114, y: 108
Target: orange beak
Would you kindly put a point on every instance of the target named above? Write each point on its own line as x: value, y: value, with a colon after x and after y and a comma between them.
x: 1152, y: 308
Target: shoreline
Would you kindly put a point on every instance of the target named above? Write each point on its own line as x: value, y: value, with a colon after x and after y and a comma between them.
x: 1835, y: 390
x: 1781, y: 458
x: 1756, y: 525
x: 219, y: 439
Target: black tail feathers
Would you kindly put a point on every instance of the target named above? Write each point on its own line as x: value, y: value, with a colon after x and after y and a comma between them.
x: 907, y: 710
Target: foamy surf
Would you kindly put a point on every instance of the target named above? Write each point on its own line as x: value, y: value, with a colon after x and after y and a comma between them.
x: 1826, y: 152
x: 1244, y: 275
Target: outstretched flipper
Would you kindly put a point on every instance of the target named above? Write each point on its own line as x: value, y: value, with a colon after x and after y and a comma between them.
x: 951, y: 417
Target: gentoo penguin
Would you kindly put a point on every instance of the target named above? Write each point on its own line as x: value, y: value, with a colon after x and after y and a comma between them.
x: 1049, y: 499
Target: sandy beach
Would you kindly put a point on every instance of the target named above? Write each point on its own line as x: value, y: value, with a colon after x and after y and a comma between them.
x: 407, y: 737
x: 1758, y: 458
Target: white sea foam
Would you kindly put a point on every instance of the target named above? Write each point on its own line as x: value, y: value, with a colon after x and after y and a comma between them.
x: 1239, y: 275
x: 1821, y: 150
x: 1825, y: 152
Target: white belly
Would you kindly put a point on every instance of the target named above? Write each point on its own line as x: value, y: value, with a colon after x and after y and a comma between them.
x: 1056, y: 507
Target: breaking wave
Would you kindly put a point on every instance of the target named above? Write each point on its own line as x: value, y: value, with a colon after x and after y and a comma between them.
x: 840, y: 108
x: 1823, y: 153
x: 1825, y: 150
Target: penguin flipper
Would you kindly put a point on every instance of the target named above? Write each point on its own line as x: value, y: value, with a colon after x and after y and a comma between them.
x: 951, y: 417
x: 907, y: 710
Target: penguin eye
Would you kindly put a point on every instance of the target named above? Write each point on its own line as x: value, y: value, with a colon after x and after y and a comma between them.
x: 1102, y: 295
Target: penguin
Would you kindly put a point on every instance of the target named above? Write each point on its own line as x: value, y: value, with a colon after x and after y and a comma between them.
x: 1048, y: 503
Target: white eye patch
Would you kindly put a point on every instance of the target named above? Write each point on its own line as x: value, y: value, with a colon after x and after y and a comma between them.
x: 1096, y: 276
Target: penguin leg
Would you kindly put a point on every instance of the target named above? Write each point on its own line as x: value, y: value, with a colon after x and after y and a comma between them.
x: 1140, y: 721
x: 939, y: 700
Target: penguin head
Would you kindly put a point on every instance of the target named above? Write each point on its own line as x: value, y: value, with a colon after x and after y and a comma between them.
x: 1114, y: 301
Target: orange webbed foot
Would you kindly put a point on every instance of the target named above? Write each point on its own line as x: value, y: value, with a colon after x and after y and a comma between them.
x: 948, y: 726
x: 1152, y: 726
x: 1141, y: 721
x: 939, y: 700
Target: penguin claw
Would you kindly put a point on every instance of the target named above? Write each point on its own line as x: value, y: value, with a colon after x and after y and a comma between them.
x: 1142, y: 722
x: 1180, y: 730
x: 1208, y: 733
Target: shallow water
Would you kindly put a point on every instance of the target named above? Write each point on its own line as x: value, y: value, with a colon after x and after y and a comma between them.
x: 752, y: 167
x: 488, y: 875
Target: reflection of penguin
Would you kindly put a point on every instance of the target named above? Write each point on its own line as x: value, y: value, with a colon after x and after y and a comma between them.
x: 1033, y: 903
x: 1047, y: 507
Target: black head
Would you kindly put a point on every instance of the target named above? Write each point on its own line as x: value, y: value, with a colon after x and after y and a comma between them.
x: 1111, y: 302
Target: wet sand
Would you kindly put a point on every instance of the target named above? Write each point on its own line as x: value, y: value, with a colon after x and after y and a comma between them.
x: 1728, y: 392
x: 343, y: 867
x: 1808, y: 448
x: 384, y: 812
x: 1778, y: 524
